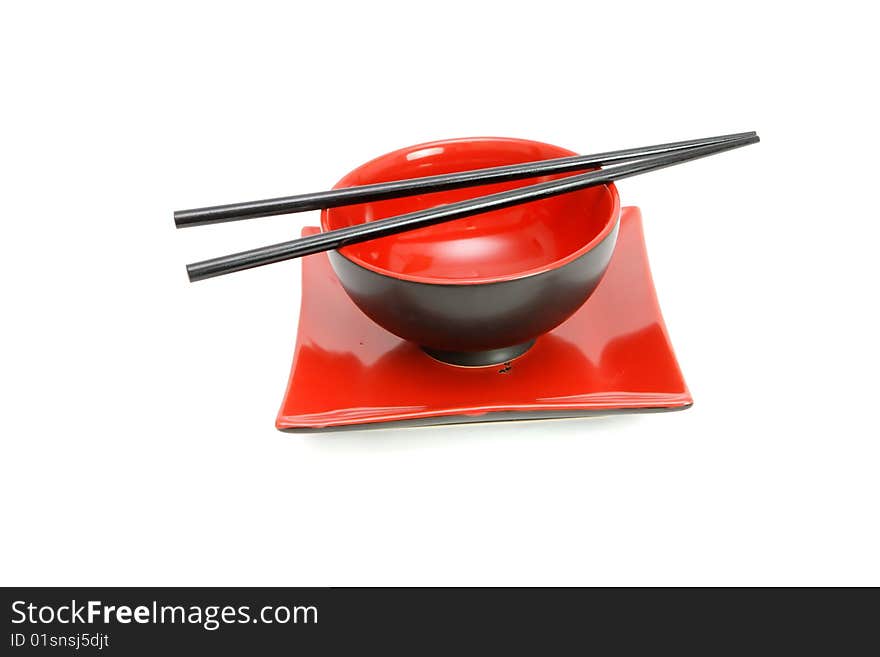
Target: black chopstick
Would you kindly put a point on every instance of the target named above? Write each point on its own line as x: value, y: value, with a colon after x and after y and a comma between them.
x: 336, y: 239
x: 398, y: 188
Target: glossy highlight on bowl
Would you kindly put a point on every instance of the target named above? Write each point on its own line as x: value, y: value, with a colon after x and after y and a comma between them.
x: 478, y: 290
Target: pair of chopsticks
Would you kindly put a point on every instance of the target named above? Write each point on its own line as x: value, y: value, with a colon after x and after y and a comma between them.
x: 636, y: 161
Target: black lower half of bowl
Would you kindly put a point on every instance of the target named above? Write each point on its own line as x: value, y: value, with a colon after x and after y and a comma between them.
x: 476, y: 324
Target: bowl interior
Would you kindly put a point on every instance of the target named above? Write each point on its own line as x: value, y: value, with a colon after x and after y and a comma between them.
x: 489, y: 247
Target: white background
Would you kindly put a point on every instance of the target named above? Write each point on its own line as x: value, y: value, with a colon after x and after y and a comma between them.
x: 138, y: 440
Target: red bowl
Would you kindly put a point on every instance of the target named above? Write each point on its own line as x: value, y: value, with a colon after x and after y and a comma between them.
x: 478, y: 290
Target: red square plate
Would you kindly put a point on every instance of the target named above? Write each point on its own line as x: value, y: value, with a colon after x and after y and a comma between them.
x: 613, y: 355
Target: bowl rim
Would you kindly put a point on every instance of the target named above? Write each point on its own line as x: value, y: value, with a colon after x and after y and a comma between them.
x: 480, y: 280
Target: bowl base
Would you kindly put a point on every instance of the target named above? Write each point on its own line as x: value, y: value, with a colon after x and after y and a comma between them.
x: 479, y: 358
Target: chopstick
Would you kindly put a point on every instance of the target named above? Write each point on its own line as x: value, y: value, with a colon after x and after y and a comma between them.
x: 398, y: 188
x: 336, y: 239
